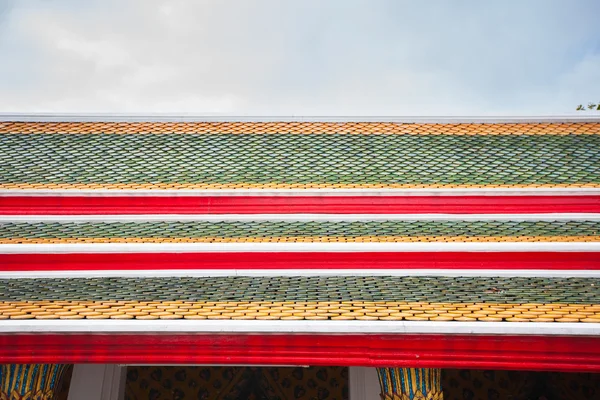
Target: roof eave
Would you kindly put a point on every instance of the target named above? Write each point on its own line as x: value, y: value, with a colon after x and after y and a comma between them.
x: 506, y: 351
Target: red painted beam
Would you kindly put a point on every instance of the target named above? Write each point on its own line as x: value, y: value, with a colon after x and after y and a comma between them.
x: 83, y: 205
x: 552, y: 353
x: 293, y: 260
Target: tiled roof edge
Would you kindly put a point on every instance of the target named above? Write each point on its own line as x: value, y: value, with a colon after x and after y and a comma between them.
x: 117, y: 117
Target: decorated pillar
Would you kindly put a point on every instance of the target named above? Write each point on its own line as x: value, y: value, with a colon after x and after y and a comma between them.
x: 410, y: 383
x: 30, y: 381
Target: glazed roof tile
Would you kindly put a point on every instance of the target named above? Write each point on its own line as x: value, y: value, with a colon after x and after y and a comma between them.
x: 297, y: 155
x: 514, y: 299
x: 303, y: 155
x: 567, y: 128
x: 301, y: 231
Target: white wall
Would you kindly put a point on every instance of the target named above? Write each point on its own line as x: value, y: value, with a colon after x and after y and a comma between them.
x: 98, y: 382
x: 364, y: 384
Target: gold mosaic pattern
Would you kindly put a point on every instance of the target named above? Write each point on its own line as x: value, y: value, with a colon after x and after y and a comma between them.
x: 361, y: 128
x: 410, y: 383
x: 232, y: 383
x: 418, y: 395
x: 32, y: 381
x: 461, y: 384
x: 35, y: 394
x: 301, y: 310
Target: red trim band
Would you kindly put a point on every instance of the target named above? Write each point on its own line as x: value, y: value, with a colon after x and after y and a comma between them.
x: 84, y: 205
x: 300, y: 260
x: 552, y: 353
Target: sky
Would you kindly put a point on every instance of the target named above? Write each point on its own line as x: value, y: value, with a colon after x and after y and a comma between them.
x: 300, y: 57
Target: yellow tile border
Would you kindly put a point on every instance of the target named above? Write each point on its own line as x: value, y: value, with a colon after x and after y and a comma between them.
x: 360, y: 128
x: 274, y: 185
x: 309, y: 239
x: 385, y: 311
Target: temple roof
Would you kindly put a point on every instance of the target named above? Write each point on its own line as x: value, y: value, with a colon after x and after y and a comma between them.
x: 486, y: 228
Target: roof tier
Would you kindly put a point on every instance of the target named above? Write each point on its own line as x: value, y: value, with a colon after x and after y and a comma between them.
x: 354, y: 243
x: 335, y: 230
x: 386, y: 298
x: 292, y: 156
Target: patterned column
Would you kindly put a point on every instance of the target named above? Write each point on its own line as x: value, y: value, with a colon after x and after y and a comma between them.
x: 410, y: 383
x: 30, y: 381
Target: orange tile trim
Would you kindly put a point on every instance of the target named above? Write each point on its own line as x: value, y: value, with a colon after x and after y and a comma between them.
x: 361, y: 128
x: 302, y: 310
x: 308, y: 239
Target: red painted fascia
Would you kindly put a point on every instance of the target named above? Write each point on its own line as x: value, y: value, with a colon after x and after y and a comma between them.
x: 552, y: 353
x: 87, y: 205
x: 301, y: 260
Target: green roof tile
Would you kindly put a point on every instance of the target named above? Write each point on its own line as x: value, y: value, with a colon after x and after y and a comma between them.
x: 343, y: 230
x: 320, y: 159
x: 432, y: 289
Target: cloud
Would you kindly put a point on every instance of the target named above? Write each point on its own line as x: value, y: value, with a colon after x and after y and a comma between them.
x: 304, y: 57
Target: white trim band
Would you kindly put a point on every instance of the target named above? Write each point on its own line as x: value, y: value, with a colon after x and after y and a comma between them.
x: 554, y: 191
x: 304, y: 326
x: 56, y: 248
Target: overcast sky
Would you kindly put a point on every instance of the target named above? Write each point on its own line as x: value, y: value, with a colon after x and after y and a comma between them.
x: 534, y: 57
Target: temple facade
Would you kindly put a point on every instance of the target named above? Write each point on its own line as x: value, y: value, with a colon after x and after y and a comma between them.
x: 256, y: 258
